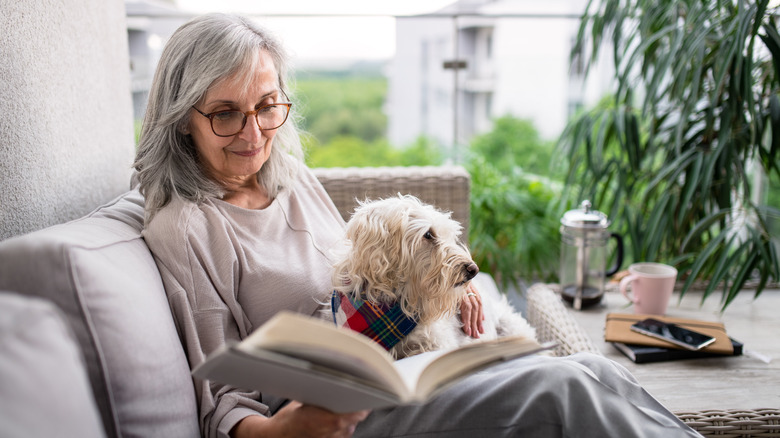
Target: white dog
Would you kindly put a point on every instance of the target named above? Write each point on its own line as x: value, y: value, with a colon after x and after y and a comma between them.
x: 402, y: 277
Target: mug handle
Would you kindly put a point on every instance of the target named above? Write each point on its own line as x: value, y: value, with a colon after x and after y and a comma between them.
x: 624, y: 286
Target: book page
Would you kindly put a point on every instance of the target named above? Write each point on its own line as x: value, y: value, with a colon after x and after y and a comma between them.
x: 411, y: 368
x: 297, y: 379
x: 320, y: 342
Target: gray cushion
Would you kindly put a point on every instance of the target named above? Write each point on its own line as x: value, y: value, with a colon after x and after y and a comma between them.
x: 44, y: 389
x: 100, y: 273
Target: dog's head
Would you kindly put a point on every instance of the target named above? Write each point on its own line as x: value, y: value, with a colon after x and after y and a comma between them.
x: 402, y: 250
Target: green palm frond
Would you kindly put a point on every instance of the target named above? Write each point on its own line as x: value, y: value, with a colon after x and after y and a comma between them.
x: 670, y: 155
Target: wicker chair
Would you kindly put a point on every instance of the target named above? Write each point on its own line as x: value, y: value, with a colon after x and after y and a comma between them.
x: 448, y: 188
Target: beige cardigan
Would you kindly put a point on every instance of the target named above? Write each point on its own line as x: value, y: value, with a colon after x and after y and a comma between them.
x: 227, y: 270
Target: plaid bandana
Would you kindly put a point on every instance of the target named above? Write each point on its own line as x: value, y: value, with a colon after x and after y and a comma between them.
x: 385, y: 324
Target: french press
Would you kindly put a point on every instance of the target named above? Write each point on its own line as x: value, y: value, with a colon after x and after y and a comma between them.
x: 584, y: 238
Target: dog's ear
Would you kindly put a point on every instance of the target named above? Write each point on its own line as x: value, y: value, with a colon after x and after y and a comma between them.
x: 373, y: 261
x: 367, y: 228
x: 375, y: 234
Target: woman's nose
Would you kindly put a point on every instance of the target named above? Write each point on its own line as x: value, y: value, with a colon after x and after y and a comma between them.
x: 251, y: 131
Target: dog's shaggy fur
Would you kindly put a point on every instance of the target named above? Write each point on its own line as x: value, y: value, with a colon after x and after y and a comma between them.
x: 402, y: 250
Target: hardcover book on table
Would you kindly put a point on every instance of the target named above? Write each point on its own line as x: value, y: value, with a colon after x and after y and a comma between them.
x: 648, y: 354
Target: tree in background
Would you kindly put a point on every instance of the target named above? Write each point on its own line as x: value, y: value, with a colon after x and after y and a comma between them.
x: 351, y: 151
x: 514, y: 143
x: 342, y: 115
x: 423, y: 152
x: 342, y: 107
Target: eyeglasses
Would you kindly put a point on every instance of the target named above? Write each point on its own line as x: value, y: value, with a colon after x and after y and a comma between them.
x: 230, y: 123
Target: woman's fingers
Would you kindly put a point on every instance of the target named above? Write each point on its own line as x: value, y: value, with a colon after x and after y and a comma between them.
x: 471, y: 312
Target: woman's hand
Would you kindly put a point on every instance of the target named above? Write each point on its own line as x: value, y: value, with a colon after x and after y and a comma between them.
x: 299, y: 420
x: 471, y: 314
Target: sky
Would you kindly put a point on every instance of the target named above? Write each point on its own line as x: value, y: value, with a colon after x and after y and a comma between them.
x: 365, y: 31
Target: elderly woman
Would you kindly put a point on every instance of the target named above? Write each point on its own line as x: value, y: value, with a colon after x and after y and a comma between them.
x: 241, y: 229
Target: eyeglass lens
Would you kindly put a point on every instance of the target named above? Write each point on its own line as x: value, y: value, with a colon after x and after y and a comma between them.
x: 228, y: 123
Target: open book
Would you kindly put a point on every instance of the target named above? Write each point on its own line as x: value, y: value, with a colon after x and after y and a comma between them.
x: 312, y: 361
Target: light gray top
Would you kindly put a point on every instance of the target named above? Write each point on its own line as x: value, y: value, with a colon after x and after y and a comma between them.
x: 227, y: 270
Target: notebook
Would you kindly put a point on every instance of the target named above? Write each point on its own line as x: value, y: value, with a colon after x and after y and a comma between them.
x: 618, y: 329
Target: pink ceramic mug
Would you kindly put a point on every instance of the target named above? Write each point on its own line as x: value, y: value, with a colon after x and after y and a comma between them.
x: 651, y: 287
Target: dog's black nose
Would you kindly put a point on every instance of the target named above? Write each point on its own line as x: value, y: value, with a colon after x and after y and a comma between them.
x: 471, y: 270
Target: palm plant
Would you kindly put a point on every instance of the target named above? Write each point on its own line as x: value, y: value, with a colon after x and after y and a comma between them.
x: 671, y: 155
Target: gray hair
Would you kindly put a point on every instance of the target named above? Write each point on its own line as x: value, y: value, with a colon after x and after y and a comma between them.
x: 200, y: 53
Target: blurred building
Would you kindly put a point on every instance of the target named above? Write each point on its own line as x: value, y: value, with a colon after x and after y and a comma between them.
x: 457, y: 69
x: 149, y: 25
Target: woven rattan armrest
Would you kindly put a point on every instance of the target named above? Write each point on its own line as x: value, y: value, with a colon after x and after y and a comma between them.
x: 547, y: 314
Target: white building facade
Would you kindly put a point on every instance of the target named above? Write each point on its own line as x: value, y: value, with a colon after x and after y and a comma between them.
x: 514, y: 60
x: 149, y: 25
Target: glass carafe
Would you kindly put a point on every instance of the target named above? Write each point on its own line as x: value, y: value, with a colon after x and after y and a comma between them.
x: 584, y: 238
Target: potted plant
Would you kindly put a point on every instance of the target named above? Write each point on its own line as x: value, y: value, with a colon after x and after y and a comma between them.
x: 671, y: 156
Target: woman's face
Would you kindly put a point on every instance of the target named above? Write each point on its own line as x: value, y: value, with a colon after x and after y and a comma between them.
x: 234, y: 160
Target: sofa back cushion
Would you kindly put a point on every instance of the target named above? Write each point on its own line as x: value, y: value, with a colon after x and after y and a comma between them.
x: 42, y: 366
x: 100, y: 273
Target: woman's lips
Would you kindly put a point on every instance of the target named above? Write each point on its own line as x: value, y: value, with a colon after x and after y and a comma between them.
x: 249, y: 153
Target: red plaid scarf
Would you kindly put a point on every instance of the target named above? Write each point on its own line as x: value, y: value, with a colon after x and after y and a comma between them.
x: 385, y: 324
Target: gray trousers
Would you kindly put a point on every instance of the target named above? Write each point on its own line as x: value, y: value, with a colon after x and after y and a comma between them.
x: 583, y: 395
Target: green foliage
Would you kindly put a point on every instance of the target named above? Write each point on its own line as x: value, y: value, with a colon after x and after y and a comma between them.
x: 423, y: 152
x: 352, y: 151
x: 672, y: 165
x: 336, y: 107
x: 349, y: 151
x: 514, y: 142
x: 343, y: 117
x: 514, y: 227
x: 514, y: 222
x: 773, y: 193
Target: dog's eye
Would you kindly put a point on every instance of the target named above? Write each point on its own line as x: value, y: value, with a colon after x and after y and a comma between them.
x: 428, y: 235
